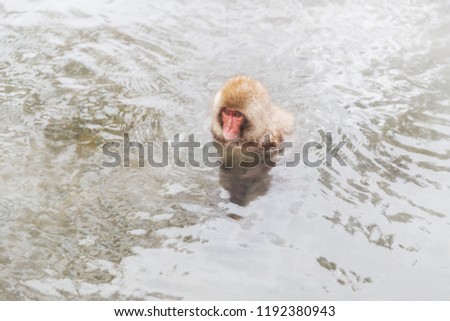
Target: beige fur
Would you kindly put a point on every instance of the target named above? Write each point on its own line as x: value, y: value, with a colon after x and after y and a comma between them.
x: 251, y: 98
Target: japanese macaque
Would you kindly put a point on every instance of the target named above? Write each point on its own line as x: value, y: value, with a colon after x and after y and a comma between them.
x: 243, y: 112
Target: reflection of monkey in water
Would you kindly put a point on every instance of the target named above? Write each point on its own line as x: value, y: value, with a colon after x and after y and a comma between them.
x: 245, y: 183
x: 244, y: 116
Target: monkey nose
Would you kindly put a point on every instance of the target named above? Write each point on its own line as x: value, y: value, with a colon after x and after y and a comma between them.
x: 229, y: 123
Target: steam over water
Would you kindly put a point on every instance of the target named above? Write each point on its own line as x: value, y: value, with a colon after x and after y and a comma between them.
x: 75, y: 76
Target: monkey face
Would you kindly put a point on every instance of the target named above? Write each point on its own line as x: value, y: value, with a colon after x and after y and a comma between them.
x: 232, y: 122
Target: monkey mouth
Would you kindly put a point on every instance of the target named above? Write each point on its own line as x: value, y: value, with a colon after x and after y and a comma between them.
x: 231, y: 132
x: 231, y: 137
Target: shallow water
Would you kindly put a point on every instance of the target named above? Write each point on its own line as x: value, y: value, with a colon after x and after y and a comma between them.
x: 75, y: 76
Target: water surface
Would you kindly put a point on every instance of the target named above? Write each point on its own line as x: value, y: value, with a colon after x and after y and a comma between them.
x: 74, y: 76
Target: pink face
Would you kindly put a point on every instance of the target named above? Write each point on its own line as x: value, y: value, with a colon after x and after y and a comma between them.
x: 232, y: 123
